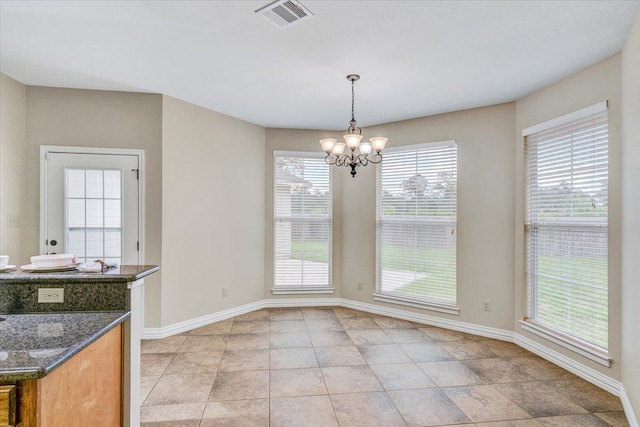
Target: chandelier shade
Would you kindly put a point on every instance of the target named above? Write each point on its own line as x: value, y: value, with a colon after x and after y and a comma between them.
x: 359, y: 151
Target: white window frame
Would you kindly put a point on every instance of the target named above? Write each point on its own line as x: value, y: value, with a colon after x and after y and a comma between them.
x: 400, y: 299
x: 530, y: 324
x: 302, y: 289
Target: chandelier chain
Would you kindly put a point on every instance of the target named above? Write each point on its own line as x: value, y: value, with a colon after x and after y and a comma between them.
x: 353, y: 118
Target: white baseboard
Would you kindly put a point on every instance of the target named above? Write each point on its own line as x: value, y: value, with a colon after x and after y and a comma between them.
x: 584, y: 372
x: 455, y: 325
x: 301, y: 302
x: 187, y: 325
x: 628, y: 409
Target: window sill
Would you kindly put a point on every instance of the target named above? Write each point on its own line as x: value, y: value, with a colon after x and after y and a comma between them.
x: 449, y: 309
x: 562, y: 340
x: 302, y: 290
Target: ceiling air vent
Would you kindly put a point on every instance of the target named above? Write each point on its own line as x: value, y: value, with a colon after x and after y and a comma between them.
x: 284, y: 13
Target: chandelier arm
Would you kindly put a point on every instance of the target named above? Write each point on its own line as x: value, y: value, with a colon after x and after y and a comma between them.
x: 377, y: 158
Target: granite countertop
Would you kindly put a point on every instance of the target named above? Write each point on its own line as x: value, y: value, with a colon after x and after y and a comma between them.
x: 33, y: 345
x: 120, y: 274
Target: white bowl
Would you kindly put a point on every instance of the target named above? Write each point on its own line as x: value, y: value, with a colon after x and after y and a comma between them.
x: 56, y: 260
x: 4, y: 260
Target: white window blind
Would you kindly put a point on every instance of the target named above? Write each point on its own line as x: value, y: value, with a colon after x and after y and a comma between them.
x: 416, y: 223
x: 566, y: 223
x: 302, y: 213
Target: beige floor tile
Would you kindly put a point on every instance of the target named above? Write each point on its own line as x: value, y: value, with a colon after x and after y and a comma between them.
x: 206, y: 362
x: 440, y: 334
x: 483, y: 403
x: 467, y: 350
x: 218, y: 328
x: 253, y: 315
x: 237, y: 413
x: 366, y: 410
x: 615, y: 419
x: 240, y: 385
x: 146, y: 385
x: 318, y: 313
x: 367, y: 337
x: 295, y: 325
x: 426, y: 352
x: 587, y: 395
x: 350, y: 379
x: 177, y: 412
x: 403, y: 376
x: 183, y: 423
x: 584, y: 420
x: 173, y: 389
x: 244, y: 360
x: 427, y: 407
x: 296, y: 382
x: 285, y: 313
x: 505, y: 349
x: 247, y: 342
x: 165, y: 345
x: 403, y: 336
x: 512, y: 423
x: 339, y: 356
x: 383, y: 353
x: 195, y: 343
x: 289, y: 340
x: 307, y: 411
x: 154, y: 363
x: 328, y: 324
x: 250, y: 327
x: 497, y: 370
x: 391, y: 323
x: 329, y: 338
x: 540, y: 369
x: 347, y: 313
x: 538, y: 399
x: 450, y: 374
x: 359, y: 323
x: 290, y: 358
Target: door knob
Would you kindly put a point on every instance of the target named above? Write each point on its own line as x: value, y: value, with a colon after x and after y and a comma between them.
x: 53, y: 242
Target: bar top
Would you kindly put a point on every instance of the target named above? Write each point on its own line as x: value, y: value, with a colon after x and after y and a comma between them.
x: 33, y: 345
x: 122, y: 273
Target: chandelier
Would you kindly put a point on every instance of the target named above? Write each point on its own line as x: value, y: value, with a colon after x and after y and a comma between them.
x: 335, y: 149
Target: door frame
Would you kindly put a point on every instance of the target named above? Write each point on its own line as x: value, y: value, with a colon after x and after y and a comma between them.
x: 46, y: 149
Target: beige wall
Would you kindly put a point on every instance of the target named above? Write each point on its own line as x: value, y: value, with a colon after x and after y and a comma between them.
x: 594, y: 84
x: 298, y: 140
x: 485, y: 208
x: 89, y: 118
x: 213, y: 211
x: 12, y: 166
x: 631, y: 215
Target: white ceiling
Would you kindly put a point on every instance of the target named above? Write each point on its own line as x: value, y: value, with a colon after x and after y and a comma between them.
x: 416, y: 58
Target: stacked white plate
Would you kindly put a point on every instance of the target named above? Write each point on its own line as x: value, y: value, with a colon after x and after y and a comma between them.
x: 55, y: 262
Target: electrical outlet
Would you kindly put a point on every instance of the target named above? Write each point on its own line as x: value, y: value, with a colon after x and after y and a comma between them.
x: 51, y: 295
x: 13, y: 220
x: 360, y: 286
x: 486, y: 305
x: 224, y: 291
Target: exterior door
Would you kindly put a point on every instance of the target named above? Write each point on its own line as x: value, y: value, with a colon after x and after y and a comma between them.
x: 91, y: 206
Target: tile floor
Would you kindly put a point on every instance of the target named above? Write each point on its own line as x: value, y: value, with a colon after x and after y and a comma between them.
x: 339, y: 367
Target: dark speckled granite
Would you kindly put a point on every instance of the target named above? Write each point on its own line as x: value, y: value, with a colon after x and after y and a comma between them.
x: 120, y: 274
x: 33, y: 345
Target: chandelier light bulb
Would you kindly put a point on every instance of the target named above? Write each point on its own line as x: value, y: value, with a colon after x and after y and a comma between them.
x: 352, y: 140
x: 339, y: 148
x: 365, y: 147
x: 378, y: 143
x: 328, y: 144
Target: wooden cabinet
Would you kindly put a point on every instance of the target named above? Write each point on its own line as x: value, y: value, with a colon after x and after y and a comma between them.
x: 84, y: 391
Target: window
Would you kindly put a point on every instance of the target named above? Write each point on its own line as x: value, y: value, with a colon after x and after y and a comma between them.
x: 416, y: 226
x: 302, y: 226
x: 566, y: 224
